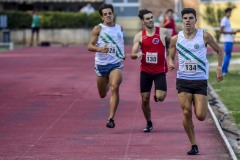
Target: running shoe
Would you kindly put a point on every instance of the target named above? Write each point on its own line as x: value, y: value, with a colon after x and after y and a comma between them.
x: 148, y: 128
x: 110, y: 123
x: 193, y: 151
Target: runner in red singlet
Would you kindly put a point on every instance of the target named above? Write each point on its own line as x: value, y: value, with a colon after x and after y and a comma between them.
x: 149, y: 45
x: 168, y: 22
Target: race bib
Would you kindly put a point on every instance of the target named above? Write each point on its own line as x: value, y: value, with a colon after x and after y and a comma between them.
x: 112, y: 49
x: 190, y: 66
x: 151, y: 57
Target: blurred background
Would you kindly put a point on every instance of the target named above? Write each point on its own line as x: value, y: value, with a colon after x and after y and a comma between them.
x: 67, y: 22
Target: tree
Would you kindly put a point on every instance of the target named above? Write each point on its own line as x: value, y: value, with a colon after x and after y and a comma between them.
x: 214, y: 15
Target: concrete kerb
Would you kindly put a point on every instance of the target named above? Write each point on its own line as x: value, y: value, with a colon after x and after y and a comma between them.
x: 233, y: 61
x: 10, y: 44
x: 229, y: 147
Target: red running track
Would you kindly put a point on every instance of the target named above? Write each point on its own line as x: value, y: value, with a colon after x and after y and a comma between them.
x: 50, y: 110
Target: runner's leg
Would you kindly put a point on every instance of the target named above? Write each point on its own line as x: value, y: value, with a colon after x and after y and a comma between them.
x: 185, y: 100
x: 160, y: 87
x: 228, y: 53
x: 146, y: 105
x: 115, y: 79
x: 200, y: 106
x: 160, y: 95
x: 103, y: 86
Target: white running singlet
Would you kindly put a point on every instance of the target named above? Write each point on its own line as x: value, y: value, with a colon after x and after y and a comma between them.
x: 193, y: 64
x: 113, y: 37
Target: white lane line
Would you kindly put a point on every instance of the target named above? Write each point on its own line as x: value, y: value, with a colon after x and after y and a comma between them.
x: 130, y: 136
x: 50, y: 127
x: 229, y: 147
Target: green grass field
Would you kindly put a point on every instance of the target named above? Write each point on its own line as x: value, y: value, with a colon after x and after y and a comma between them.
x: 229, y: 89
x: 3, y: 48
x: 6, y: 48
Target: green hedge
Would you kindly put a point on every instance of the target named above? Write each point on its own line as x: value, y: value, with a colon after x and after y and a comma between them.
x: 19, y: 19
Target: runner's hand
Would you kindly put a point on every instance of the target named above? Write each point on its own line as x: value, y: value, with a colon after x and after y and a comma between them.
x: 171, y: 66
x: 139, y: 54
x: 219, y: 75
x: 104, y: 49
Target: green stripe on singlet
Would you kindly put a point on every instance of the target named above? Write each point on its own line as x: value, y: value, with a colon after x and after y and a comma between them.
x: 105, y: 41
x: 187, y: 58
x: 110, y: 38
x: 191, y: 54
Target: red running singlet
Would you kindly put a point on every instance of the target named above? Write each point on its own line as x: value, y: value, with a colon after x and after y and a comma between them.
x: 154, y: 54
x: 171, y: 25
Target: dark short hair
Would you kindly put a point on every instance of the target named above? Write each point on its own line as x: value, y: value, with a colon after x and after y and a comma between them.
x: 104, y: 6
x: 228, y: 10
x: 189, y: 10
x: 142, y: 12
x: 169, y: 10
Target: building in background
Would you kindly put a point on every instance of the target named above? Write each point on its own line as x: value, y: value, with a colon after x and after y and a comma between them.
x: 127, y: 10
x: 48, y: 5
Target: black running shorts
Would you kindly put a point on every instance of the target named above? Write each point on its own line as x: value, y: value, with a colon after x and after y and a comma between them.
x: 147, y: 79
x: 35, y: 29
x: 192, y: 86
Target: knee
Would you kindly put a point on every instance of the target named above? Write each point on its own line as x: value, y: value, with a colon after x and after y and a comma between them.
x: 114, y: 88
x: 102, y: 95
x: 201, y: 117
x: 161, y: 97
x: 145, y: 100
x: 187, y: 113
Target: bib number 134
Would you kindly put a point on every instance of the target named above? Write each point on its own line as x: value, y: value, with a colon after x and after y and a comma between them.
x: 190, y: 66
x: 151, y: 57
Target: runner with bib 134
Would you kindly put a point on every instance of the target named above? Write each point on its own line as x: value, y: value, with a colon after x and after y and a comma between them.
x: 192, y: 75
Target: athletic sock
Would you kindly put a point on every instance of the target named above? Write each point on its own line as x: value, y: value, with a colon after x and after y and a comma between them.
x: 149, y: 123
x: 149, y: 127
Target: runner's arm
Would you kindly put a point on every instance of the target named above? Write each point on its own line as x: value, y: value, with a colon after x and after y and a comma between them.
x: 163, y: 24
x: 124, y: 58
x: 168, y: 35
x: 93, y: 40
x: 136, y: 44
x: 172, y: 52
x: 212, y: 43
x: 224, y: 32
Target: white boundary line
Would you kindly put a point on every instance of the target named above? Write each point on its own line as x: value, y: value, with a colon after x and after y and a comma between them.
x: 229, y: 147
